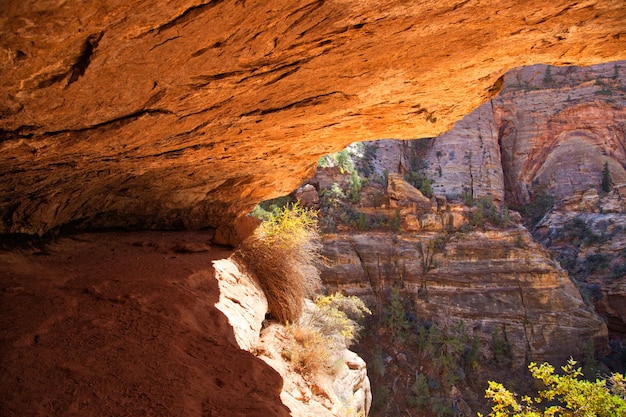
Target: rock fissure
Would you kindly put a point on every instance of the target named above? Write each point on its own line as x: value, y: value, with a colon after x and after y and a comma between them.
x: 115, y: 123
x: 164, y: 42
x: 306, y: 11
x: 83, y: 61
x: 309, y: 101
x: 526, y: 321
x: 187, y: 15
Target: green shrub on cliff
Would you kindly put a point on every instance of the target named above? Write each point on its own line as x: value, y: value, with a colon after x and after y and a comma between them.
x: 606, y: 182
x: 565, y: 395
x: 540, y: 204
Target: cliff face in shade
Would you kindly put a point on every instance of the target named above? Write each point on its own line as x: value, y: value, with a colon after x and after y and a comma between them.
x: 587, y: 234
x: 467, y: 159
x: 186, y: 114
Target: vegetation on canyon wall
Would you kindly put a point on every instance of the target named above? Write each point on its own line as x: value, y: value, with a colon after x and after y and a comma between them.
x: 562, y: 395
x: 284, y: 255
x: 436, y: 196
x: 332, y: 324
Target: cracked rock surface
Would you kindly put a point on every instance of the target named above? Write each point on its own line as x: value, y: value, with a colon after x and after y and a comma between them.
x: 123, y: 114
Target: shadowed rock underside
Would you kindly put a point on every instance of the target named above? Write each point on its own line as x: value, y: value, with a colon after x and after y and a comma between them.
x: 185, y: 115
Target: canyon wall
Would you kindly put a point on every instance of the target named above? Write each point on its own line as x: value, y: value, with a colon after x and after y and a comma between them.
x: 187, y: 114
x: 431, y: 222
x: 553, y: 137
x: 489, y: 280
x: 556, y: 133
x: 561, y: 138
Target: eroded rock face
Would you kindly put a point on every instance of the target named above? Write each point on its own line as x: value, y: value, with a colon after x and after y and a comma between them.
x: 559, y: 133
x: 587, y: 234
x: 489, y: 280
x: 186, y: 114
x: 555, y: 135
x: 340, y: 388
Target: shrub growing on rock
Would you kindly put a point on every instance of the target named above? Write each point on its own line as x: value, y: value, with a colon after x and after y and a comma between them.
x: 323, y: 332
x: 562, y: 395
x: 339, y: 315
x: 283, y: 255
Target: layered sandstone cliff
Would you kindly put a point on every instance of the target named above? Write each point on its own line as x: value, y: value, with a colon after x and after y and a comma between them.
x: 488, y: 280
x: 554, y: 136
x: 557, y: 134
x: 186, y: 114
x: 587, y: 234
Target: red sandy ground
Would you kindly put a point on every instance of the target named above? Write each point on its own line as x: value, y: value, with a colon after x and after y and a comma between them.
x: 123, y: 324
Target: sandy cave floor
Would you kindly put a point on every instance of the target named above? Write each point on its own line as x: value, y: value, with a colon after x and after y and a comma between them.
x: 123, y: 324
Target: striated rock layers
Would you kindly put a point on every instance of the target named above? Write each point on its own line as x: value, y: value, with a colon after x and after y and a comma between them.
x: 496, y: 279
x: 557, y: 132
x: 554, y: 136
x: 186, y: 114
x: 587, y: 232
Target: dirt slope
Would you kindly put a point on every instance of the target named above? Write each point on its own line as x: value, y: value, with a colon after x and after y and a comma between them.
x: 124, y: 325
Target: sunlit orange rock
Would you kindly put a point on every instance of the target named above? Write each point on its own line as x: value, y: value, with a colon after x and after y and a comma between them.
x: 186, y: 114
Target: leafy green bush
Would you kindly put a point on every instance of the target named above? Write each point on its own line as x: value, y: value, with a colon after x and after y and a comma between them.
x: 421, y: 392
x: 478, y: 218
x: 487, y: 211
x: 332, y: 197
x: 344, y: 161
x: 606, y: 182
x: 355, y: 186
x: 577, y: 231
x: 565, y: 395
x: 619, y: 270
x: 547, y: 77
x: 283, y: 255
x: 500, y: 347
x: 362, y: 222
x: 395, y: 317
x: 468, y: 198
x: 263, y: 211
x: 396, y: 222
x: 596, y: 261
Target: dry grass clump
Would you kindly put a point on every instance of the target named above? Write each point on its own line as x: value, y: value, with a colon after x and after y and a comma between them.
x: 283, y: 255
x: 338, y: 317
x: 325, y: 329
x: 308, y: 353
